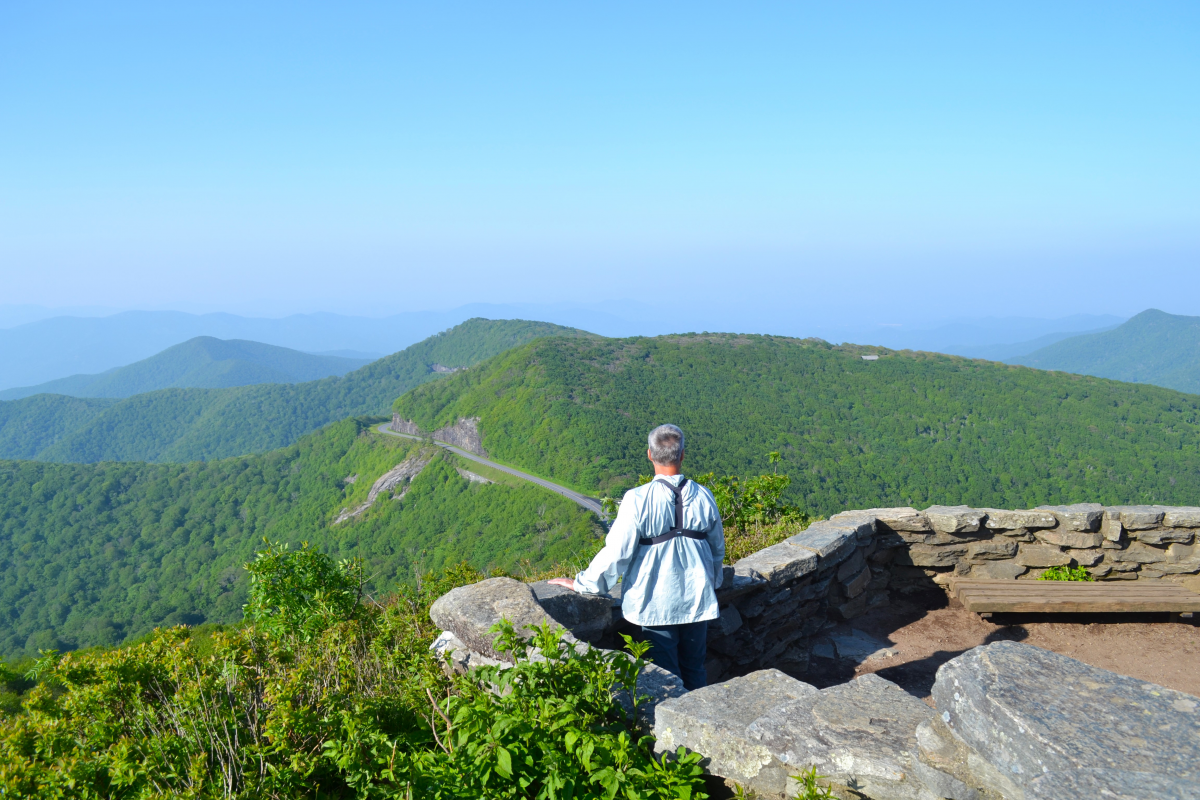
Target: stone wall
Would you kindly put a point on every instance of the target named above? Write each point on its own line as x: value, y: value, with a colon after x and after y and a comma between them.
x: 778, y: 604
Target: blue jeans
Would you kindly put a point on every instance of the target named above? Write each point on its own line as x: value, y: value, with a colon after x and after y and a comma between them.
x: 681, y: 650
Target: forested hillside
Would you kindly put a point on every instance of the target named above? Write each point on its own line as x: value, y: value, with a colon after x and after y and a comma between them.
x: 178, y: 425
x: 91, y: 554
x: 200, y: 363
x: 1153, y: 347
x: 908, y: 429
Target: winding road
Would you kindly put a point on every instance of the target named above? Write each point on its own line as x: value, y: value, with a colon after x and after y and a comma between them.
x: 590, y: 503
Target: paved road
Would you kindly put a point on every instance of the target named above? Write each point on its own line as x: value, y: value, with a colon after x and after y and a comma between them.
x: 590, y: 503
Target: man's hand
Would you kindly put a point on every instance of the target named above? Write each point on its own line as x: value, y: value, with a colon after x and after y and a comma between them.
x: 565, y: 582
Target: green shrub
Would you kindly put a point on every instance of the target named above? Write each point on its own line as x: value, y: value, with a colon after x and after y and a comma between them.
x: 1066, y: 574
x: 321, y: 695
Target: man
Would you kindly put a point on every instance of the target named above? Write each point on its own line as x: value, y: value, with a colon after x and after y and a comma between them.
x: 666, y: 548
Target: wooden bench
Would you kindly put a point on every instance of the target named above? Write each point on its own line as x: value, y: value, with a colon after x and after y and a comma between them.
x: 1063, y: 597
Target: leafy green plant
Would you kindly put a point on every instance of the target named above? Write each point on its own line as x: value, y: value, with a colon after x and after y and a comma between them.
x: 1065, y: 573
x: 809, y: 789
x: 302, y: 592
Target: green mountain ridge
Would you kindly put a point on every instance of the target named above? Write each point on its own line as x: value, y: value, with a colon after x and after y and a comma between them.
x: 203, y: 362
x: 909, y: 429
x: 92, y: 554
x: 180, y: 425
x: 1153, y: 347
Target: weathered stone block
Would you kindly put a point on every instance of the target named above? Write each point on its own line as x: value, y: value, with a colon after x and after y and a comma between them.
x: 1078, y: 517
x: 1139, y: 518
x: 895, y: 519
x: 830, y: 542
x: 1019, y: 535
x: 1003, y: 519
x: 1027, y: 711
x: 993, y: 550
x: 954, y: 519
x: 860, y: 523
x: 1111, y: 528
x: 1086, y: 558
x: 469, y: 611
x: 715, y: 722
x: 780, y: 563
x: 952, y: 770
x: 924, y: 555
x: 998, y: 570
x: 1140, y: 554
x: 1184, y: 517
x: 1075, y: 539
x: 851, y: 566
x: 727, y: 624
x: 857, y: 734
x: 1166, y: 536
x: 857, y: 585
x: 1041, y: 555
x: 587, y: 616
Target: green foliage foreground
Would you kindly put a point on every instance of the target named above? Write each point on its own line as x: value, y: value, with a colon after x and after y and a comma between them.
x: 319, y: 696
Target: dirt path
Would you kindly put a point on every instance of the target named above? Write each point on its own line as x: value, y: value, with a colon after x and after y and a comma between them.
x: 1147, y: 647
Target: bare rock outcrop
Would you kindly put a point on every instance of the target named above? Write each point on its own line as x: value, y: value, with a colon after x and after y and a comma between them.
x: 402, y: 473
x: 463, y: 434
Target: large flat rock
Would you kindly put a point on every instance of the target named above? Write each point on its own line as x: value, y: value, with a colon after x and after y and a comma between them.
x: 765, y: 728
x: 1111, y: 784
x: 715, y: 722
x: 1029, y: 712
x: 470, y: 611
x: 859, y: 735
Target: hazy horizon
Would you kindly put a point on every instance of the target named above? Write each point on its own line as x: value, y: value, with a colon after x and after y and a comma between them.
x: 931, y: 160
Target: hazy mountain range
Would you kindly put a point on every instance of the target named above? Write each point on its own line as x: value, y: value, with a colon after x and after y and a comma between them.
x: 45, y: 349
x: 1153, y: 347
x: 200, y: 363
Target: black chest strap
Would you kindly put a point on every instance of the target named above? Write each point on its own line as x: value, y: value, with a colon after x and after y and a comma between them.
x: 676, y: 530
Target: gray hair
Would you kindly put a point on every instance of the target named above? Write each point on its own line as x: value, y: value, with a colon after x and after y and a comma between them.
x: 666, y: 444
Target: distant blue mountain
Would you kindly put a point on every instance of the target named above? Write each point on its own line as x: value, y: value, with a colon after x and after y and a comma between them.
x: 200, y: 363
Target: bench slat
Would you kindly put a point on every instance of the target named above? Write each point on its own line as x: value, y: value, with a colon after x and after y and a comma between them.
x: 992, y: 596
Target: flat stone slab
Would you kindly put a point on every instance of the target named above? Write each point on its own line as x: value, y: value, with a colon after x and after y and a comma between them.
x: 1003, y: 519
x: 859, y: 735
x: 901, y: 518
x: 854, y: 645
x: 778, y: 564
x: 470, y: 611
x: 955, y: 519
x: 715, y: 722
x: 1111, y: 784
x: 1078, y: 517
x: 1028, y: 711
x: 829, y: 541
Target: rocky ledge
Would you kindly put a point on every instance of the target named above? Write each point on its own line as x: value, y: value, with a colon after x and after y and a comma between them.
x: 1011, y: 721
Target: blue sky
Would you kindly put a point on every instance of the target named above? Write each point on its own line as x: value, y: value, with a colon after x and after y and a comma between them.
x: 943, y: 159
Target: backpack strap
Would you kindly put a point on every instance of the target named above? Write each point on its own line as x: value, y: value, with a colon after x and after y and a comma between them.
x: 675, y: 531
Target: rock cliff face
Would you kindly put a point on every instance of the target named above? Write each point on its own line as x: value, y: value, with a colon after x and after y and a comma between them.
x: 397, y: 476
x: 463, y: 434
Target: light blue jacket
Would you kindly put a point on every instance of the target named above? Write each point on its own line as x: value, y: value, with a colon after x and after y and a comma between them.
x: 672, y: 583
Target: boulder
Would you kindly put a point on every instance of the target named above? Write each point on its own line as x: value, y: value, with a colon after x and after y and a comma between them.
x: 587, y: 616
x: 857, y: 734
x: 954, y: 519
x: 470, y: 611
x: 1028, y: 712
x: 1003, y: 519
x: 715, y: 721
x: 1078, y: 517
